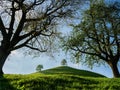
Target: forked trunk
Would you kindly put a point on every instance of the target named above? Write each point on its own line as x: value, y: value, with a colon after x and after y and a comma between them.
x: 3, y: 56
x: 114, y: 68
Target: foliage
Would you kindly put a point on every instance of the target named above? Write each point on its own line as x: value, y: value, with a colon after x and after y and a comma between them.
x: 63, y: 62
x: 97, y: 37
x: 39, y: 67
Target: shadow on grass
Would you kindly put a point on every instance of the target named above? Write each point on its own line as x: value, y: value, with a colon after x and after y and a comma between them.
x: 5, y: 84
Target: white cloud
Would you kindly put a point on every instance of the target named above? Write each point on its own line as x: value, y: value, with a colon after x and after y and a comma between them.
x: 16, y: 54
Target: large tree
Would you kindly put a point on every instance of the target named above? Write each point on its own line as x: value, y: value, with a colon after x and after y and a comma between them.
x: 30, y: 23
x: 97, y: 38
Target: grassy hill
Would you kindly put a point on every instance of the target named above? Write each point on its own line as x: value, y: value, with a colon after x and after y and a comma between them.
x: 59, y: 78
x: 71, y: 71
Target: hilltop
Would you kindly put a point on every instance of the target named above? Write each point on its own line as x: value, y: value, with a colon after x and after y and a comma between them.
x: 71, y: 71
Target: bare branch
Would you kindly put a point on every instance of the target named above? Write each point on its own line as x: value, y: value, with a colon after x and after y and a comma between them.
x: 20, y: 26
x: 10, y: 32
x: 33, y: 48
x: 2, y: 28
x: 21, y: 45
x: 34, y: 4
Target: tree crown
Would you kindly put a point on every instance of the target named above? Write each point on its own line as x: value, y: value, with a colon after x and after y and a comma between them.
x: 39, y: 67
x: 97, y: 37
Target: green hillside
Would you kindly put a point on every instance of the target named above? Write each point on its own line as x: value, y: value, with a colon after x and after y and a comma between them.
x: 39, y: 81
x: 59, y: 78
x: 71, y: 71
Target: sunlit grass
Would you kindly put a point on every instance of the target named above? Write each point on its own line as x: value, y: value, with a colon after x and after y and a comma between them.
x: 40, y: 81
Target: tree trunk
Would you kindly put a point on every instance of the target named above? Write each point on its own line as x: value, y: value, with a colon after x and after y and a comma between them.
x: 3, y: 56
x: 114, y: 68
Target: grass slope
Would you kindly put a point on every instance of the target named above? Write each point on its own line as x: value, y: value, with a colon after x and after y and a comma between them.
x: 57, y: 82
x: 71, y: 71
x: 59, y: 78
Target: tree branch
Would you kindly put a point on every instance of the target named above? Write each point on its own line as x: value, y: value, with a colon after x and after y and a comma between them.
x: 10, y: 32
x: 27, y: 35
x: 91, y: 53
x: 2, y: 28
x: 47, y: 13
x: 20, y: 26
x: 21, y: 45
x: 33, y: 48
x: 35, y: 3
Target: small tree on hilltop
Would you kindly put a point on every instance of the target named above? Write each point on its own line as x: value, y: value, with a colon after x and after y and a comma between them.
x: 64, y: 62
x: 39, y: 68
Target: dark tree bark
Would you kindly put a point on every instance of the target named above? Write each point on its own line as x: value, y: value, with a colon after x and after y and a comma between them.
x: 3, y: 56
x: 114, y: 69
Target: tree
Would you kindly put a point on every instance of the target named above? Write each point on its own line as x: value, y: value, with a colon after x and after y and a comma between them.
x: 30, y: 24
x: 39, y: 67
x: 64, y: 62
x: 96, y: 40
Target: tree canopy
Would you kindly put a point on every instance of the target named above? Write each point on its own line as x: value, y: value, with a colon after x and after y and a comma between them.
x: 39, y: 67
x: 31, y: 24
x: 96, y: 39
x: 63, y: 62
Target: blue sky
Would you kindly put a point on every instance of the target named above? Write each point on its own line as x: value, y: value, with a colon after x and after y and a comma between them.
x: 17, y: 63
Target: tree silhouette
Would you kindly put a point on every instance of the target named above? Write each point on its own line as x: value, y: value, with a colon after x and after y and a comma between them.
x: 39, y: 67
x: 30, y: 24
x: 63, y: 62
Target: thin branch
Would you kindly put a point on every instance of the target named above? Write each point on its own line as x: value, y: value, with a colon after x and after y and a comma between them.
x: 46, y: 14
x: 35, y: 19
x: 47, y: 34
x: 33, y: 48
x: 91, y: 53
x: 97, y: 38
x: 35, y: 3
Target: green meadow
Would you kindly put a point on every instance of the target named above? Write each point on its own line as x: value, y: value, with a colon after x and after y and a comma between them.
x: 59, y: 78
